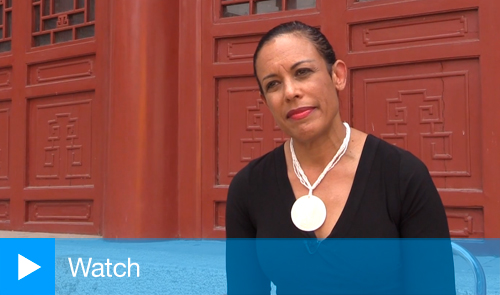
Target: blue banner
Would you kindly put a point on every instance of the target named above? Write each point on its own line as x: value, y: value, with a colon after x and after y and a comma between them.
x: 276, y: 266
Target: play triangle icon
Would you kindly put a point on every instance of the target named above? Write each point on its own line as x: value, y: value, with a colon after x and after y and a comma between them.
x: 25, y: 266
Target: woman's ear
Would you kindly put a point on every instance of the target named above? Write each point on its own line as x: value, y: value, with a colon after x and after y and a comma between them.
x: 339, y: 75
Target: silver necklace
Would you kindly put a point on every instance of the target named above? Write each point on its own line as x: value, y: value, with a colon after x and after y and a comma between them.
x: 309, y: 212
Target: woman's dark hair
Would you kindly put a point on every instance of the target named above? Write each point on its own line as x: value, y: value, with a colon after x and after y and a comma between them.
x: 295, y: 27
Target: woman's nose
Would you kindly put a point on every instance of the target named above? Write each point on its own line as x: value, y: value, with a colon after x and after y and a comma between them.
x: 291, y: 90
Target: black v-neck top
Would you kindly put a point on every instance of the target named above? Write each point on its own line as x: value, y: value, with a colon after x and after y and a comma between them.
x: 392, y: 196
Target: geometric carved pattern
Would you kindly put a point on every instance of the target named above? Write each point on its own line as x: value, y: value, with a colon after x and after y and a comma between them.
x: 5, y: 25
x: 59, y: 211
x: 61, y: 70
x: 251, y: 147
x: 466, y: 222
x: 4, y: 141
x: 430, y: 112
x: 236, y: 49
x: 246, y: 128
x: 426, y: 109
x: 60, y: 135
x: 57, y: 21
x: 420, y: 30
x: 65, y: 122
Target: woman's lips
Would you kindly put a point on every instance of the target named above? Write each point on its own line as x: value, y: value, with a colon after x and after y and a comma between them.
x: 299, y: 113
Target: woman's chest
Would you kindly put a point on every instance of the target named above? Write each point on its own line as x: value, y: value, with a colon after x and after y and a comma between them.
x: 334, y: 191
x: 359, y: 210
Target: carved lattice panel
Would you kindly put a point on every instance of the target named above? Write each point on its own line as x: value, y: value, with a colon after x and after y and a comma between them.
x: 57, y: 21
x: 231, y: 8
x: 5, y: 25
x: 428, y: 109
x: 246, y: 128
x: 60, y: 138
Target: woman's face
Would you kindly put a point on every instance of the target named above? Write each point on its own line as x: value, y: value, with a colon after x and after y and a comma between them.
x: 299, y: 91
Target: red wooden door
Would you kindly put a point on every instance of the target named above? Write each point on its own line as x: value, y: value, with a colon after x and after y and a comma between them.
x: 51, y: 117
x: 418, y: 80
x: 421, y: 77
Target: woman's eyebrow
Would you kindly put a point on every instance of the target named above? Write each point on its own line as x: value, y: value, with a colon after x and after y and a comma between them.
x: 269, y: 76
x: 299, y: 63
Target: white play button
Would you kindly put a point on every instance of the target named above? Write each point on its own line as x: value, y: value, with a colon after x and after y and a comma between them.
x: 25, y: 266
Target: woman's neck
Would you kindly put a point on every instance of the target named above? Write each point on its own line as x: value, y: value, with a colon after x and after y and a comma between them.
x: 317, y: 153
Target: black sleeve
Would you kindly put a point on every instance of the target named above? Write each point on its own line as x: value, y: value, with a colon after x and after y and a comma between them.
x: 422, y: 211
x: 427, y: 252
x: 243, y: 271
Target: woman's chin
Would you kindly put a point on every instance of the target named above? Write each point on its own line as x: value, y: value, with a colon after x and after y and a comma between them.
x: 305, y: 135
x: 307, y: 132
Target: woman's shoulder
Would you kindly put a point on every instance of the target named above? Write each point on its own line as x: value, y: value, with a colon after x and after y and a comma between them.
x: 388, y: 151
x: 398, y: 161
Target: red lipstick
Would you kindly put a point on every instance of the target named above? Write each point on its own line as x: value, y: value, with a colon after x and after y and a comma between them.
x: 299, y: 113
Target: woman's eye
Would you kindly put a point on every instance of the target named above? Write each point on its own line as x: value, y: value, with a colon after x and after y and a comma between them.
x: 271, y: 84
x: 302, y: 72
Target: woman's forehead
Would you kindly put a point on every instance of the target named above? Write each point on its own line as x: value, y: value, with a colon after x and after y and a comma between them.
x: 287, y: 48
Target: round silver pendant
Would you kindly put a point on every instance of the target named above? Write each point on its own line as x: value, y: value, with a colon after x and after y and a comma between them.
x: 308, y: 213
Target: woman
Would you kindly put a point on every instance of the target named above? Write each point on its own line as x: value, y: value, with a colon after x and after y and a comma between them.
x: 327, y: 181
